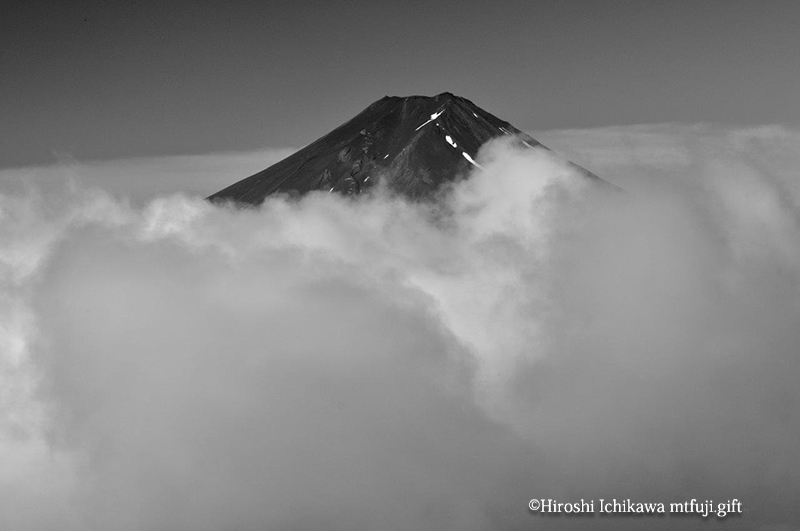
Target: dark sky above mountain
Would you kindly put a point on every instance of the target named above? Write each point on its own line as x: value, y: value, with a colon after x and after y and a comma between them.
x: 91, y: 79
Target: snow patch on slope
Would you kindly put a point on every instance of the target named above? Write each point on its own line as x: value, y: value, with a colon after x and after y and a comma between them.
x: 433, y: 117
x: 471, y: 161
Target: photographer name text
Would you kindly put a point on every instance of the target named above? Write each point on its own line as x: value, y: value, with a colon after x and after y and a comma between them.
x: 704, y: 509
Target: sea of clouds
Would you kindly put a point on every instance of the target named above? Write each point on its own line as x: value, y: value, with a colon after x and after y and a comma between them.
x: 373, y: 363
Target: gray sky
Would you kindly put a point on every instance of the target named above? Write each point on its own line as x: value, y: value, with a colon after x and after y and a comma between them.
x: 99, y: 80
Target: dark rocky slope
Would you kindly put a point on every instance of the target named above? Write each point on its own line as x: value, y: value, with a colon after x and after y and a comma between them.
x: 414, y: 143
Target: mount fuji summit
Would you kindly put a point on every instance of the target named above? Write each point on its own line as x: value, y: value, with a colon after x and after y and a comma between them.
x: 414, y: 143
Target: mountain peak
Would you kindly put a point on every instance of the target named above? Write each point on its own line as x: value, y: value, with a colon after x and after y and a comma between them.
x: 415, y: 143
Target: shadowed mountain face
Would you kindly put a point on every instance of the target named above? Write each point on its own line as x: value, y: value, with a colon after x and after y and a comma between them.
x: 415, y: 144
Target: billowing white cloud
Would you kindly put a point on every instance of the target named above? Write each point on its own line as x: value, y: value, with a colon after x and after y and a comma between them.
x: 642, y: 157
x: 374, y: 363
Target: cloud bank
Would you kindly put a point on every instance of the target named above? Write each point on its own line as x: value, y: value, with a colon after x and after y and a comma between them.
x: 379, y: 364
x: 140, y: 180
